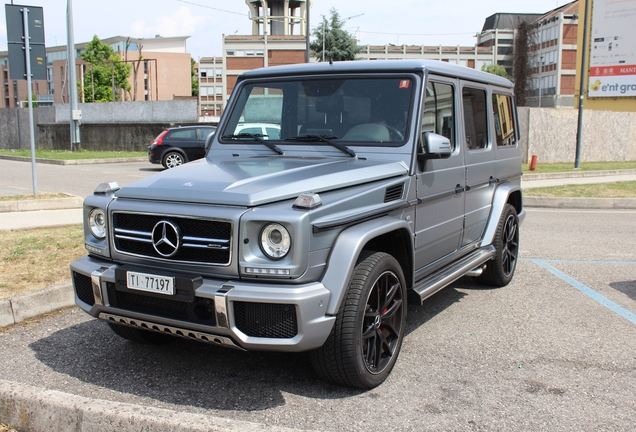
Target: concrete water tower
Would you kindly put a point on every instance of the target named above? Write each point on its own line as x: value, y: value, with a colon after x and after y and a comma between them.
x: 278, y: 17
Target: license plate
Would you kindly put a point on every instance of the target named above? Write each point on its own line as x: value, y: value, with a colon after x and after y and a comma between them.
x: 150, y: 282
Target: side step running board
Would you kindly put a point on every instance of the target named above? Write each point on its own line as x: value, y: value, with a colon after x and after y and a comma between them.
x: 449, y: 274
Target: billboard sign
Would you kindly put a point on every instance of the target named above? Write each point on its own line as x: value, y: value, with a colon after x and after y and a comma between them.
x: 613, y: 49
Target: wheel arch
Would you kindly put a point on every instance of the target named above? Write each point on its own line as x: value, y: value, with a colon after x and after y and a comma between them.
x: 507, y: 193
x: 386, y: 234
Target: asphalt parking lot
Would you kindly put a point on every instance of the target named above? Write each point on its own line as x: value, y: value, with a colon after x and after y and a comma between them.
x: 554, y: 350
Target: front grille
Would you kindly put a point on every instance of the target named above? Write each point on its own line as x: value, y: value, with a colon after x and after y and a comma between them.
x: 200, y: 311
x: 202, y: 241
x: 83, y: 288
x: 268, y: 320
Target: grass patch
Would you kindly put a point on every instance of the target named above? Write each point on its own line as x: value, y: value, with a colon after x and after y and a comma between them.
x: 36, y: 258
x: 69, y: 155
x: 598, y: 190
x: 587, y: 166
x: 32, y: 197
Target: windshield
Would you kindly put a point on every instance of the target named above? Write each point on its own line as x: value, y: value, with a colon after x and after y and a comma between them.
x: 353, y: 110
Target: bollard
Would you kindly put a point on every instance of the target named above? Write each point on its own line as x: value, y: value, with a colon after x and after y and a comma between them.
x: 533, y: 163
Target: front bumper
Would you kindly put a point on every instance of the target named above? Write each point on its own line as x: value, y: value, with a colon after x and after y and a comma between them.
x: 246, y: 315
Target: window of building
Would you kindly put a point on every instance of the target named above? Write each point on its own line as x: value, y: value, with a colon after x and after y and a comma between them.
x: 218, y: 72
x: 218, y: 90
x: 475, y: 120
x: 438, y: 115
x: 204, y: 73
x: 229, y: 52
x: 505, y: 41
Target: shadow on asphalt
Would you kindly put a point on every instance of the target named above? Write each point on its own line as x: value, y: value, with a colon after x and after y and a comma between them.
x: 628, y: 288
x: 191, y: 373
x: 153, y: 169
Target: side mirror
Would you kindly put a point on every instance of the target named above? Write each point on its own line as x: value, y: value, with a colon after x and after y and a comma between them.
x: 435, y: 147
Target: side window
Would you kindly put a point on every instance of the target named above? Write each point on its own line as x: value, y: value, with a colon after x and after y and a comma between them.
x: 184, y: 134
x: 504, y: 120
x: 438, y: 115
x: 475, y: 120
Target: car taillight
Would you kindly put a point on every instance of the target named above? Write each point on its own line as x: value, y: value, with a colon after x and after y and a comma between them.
x: 159, y: 139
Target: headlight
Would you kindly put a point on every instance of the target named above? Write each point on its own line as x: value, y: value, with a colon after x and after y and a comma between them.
x: 97, y: 223
x: 275, y: 241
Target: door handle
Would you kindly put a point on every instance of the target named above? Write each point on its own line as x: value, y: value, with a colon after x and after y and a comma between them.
x: 459, y: 189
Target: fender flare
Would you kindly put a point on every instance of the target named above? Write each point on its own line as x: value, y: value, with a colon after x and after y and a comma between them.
x: 500, y: 199
x: 345, y: 253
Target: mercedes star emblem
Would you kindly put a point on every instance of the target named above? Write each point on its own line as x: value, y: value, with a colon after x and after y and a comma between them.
x: 166, y: 238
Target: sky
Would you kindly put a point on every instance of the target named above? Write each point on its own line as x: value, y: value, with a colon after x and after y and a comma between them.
x: 375, y: 22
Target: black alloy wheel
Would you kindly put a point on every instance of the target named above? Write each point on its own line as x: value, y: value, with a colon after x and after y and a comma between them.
x: 365, y: 341
x: 500, y: 270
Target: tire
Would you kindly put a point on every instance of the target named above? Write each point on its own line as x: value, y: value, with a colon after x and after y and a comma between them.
x: 140, y: 336
x: 500, y: 270
x: 366, y: 338
x: 173, y: 159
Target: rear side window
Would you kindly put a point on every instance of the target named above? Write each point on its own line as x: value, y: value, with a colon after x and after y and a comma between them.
x: 475, y: 119
x: 184, y: 134
x: 439, y: 111
x: 504, y: 120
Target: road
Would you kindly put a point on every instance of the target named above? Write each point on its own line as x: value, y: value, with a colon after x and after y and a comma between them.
x: 80, y: 180
x: 554, y: 350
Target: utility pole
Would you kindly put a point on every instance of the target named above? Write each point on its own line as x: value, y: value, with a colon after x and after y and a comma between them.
x: 75, y: 113
x: 579, y: 128
x: 27, y: 50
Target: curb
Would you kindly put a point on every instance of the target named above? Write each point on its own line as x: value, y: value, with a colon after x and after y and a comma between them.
x: 576, y: 174
x: 26, y: 407
x: 74, y: 161
x: 41, y: 204
x: 580, y: 203
x: 30, y: 304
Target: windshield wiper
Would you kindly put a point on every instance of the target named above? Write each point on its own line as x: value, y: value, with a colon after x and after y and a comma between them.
x: 255, y: 137
x: 326, y: 139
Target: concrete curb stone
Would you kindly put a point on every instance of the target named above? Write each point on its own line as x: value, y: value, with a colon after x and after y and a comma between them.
x: 74, y: 161
x: 580, y: 203
x: 33, y: 303
x: 72, y: 201
x: 576, y: 174
x: 36, y: 409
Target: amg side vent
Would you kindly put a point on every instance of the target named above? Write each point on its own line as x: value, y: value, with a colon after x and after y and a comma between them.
x: 393, y: 193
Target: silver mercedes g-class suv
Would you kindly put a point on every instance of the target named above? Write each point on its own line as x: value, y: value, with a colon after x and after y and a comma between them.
x: 382, y: 180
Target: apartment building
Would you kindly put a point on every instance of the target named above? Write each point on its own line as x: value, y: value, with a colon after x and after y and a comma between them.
x: 499, y: 33
x: 163, y: 73
x: 210, y: 72
x: 552, y: 51
x: 470, y: 56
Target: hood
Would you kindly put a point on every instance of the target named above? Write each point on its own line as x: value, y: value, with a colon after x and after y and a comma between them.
x: 257, y: 180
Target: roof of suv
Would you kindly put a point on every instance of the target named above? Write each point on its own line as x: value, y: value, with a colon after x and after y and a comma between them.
x: 438, y: 67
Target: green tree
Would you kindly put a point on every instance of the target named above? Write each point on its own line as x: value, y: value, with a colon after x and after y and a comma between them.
x: 105, y: 74
x: 195, y: 79
x: 339, y: 44
x: 34, y: 101
x: 495, y: 70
